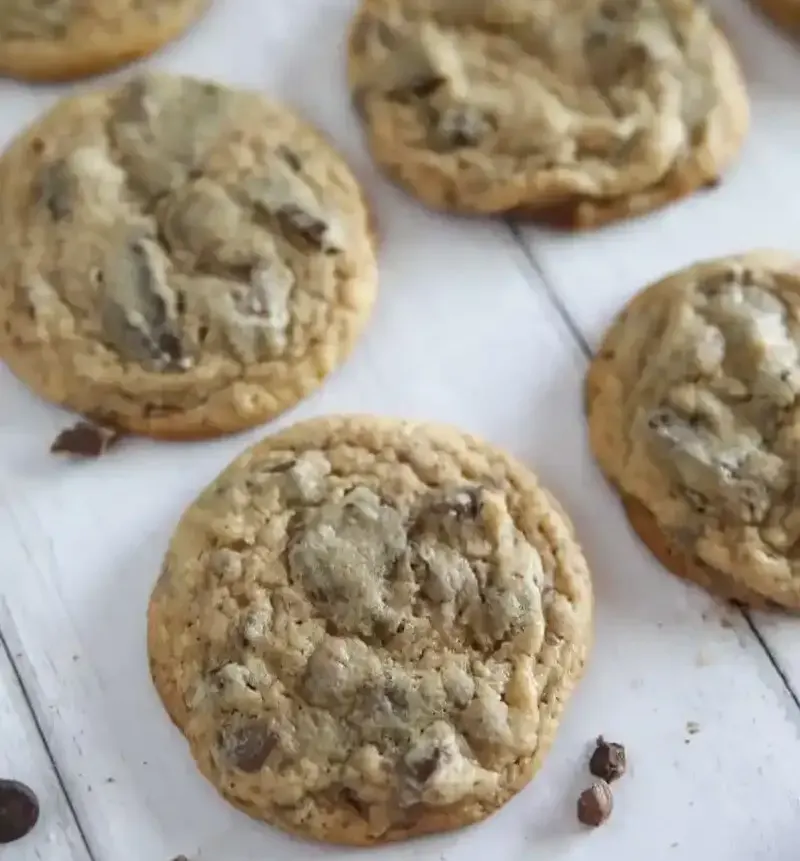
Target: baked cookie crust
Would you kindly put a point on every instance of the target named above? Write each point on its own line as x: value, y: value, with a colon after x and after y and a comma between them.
x: 692, y: 403
x: 367, y: 629
x: 60, y: 40
x: 179, y: 259
x: 574, y: 113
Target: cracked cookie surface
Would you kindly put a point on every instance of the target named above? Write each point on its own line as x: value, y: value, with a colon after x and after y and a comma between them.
x: 54, y: 40
x: 367, y: 629
x: 179, y: 259
x: 577, y: 112
x: 694, y: 416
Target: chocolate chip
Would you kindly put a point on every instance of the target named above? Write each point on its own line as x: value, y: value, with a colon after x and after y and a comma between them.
x: 85, y: 440
x: 595, y: 804
x: 248, y: 746
x: 461, y: 127
x: 291, y: 158
x: 283, y: 467
x: 137, y: 321
x: 55, y: 190
x: 608, y: 760
x: 170, y: 345
x: 423, y: 89
x: 19, y: 810
x: 352, y: 800
x: 398, y: 698
x: 424, y: 769
x: 660, y: 419
x: 311, y: 230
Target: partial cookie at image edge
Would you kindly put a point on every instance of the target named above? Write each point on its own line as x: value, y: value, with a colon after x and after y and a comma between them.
x: 82, y: 56
x: 675, y: 559
x: 784, y: 13
x: 702, y: 167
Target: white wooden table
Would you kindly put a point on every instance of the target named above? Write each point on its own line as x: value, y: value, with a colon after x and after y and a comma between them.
x: 478, y: 325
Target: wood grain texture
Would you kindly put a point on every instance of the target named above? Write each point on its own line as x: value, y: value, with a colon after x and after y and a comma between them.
x: 24, y: 757
x: 465, y: 333
x: 753, y: 207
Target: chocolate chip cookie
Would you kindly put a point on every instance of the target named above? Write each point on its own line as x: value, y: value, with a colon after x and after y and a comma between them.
x: 693, y: 415
x: 179, y: 259
x: 785, y: 13
x: 573, y: 113
x: 368, y: 629
x: 55, y: 40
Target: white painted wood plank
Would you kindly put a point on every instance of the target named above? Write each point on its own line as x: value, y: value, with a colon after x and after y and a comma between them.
x: 23, y: 757
x: 756, y: 206
x: 459, y: 336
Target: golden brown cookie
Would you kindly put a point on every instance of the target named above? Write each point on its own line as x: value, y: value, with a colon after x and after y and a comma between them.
x: 574, y: 113
x: 55, y: 40
x: 368, y: 629
x: 179, y: 259
x: 693, y: 413
x: 785, y: 13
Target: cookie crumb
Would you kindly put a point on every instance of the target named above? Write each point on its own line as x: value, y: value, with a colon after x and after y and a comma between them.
x: 595, y: 804
x: 85, y: 440
x: 609, y: 760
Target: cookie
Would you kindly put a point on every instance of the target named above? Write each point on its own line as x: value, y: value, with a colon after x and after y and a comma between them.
x: 56, y: 40
x: 692, y: 403
x: 368, y: 629
x: 785, y: 13
x: 574, y: 114
x: 179, y: 259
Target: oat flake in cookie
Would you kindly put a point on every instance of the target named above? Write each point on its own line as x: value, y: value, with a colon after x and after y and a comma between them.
x: 55, y: 40
x: 694, y: 417
x: 179, y: 259
x: 575, y: 112
x: 368, y: 629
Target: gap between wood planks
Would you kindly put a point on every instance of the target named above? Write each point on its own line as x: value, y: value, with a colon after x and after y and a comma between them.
x: 561, y: 309
x: 34, y: 719
x: 556, y: 301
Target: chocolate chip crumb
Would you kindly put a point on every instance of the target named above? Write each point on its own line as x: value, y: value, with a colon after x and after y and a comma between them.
x: 19, y: 810
x: 350, y: 798
x: 85, y: 440
x: 608, y: 761
x: 595, y: 804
